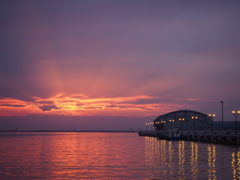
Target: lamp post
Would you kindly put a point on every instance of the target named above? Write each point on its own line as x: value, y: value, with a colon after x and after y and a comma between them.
x: 193, y: 118
x: 151, y: 125
x: 222, y: 113
x: 172, y: 121
x: 155, y: 124
x: 181, y: 120
x: 163, y: 122
x: 212, y: 116
x: 147, y: 125
x: 235, y: 114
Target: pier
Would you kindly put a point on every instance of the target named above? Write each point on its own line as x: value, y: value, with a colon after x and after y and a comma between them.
x: 227, y: 137
x: 194, y: 126
x: 219, y: 136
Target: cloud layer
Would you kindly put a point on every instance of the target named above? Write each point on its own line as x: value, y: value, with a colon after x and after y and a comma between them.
x: 128, y: 58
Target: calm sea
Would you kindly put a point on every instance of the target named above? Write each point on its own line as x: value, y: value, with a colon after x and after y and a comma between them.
x: 33, y: 155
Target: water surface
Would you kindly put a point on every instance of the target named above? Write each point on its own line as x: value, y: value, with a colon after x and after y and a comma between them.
x: 75, y: 155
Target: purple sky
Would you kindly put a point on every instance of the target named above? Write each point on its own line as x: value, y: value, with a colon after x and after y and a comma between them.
x: 103, y: 59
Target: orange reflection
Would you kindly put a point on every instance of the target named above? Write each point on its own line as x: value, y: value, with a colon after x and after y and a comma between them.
x: 236, y: 165
x: 163, y: 154
x: 157, y: 152
x: 171, y: 156
x: 194, y: 160
x: 211, y: 161
x: 181, y: 157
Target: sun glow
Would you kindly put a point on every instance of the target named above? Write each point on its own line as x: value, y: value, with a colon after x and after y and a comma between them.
x: 80, y: 104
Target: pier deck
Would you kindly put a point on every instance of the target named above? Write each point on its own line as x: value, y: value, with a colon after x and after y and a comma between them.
x: 217, y: 136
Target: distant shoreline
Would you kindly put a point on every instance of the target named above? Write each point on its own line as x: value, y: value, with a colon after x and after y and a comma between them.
x: 66, y: 131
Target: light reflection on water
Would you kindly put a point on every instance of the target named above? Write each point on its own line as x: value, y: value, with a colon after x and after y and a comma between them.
x: 113, y: 156
x: 194, y: 160
x: 191, y: 160
x: 181, y: 157
x: 211, y: 161
x: 236, y: 164
x: 72, y: 156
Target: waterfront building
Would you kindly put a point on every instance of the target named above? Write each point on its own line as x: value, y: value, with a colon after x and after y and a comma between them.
x: 183, y: 119
x: 191, y: 120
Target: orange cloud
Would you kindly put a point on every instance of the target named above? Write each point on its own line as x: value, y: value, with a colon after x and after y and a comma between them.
x: 15, y: 107
x: 80, y: 104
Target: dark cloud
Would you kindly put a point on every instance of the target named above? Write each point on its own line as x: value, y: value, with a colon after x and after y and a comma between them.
x: 48, y: 108
x: 45, y: 102
x: 12, y: 105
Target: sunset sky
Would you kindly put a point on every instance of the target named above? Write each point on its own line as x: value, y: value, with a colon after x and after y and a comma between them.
x: 109, y: 58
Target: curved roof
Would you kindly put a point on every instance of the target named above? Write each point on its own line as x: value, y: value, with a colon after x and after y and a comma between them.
x: 185, y: 111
